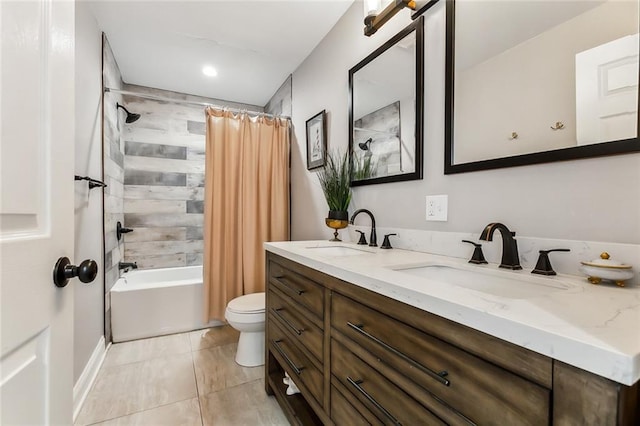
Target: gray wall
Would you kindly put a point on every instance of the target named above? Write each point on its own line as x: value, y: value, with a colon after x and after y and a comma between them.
x: 88, y: 319
x: 113, y: 177
x: 164, y: 178
x: 280, y: 102
x: 594, y: 199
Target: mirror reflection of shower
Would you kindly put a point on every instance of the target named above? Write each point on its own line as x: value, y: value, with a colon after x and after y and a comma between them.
x: 366, y: 145
x: 131, y: 117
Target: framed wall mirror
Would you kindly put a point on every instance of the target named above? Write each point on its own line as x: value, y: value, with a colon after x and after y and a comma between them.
x: 385, y: 110
x: 538, y: 81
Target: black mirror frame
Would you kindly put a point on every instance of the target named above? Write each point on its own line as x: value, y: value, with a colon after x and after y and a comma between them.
x: 623, y: 146
x: 418, y: 26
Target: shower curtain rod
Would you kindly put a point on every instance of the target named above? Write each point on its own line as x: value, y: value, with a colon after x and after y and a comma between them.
x: 178, y: 101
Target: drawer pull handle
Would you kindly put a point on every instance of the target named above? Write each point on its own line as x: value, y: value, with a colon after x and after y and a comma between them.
x: 438, y: 376
x: 276, y: 344
x: 276, y: 311
x: 356, y: 384
x: 284, y: 280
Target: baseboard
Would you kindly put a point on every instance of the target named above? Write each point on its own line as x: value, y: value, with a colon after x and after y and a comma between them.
x: 87, y: 378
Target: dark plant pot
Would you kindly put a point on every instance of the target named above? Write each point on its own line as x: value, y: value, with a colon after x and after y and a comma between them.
x: 338, y: 215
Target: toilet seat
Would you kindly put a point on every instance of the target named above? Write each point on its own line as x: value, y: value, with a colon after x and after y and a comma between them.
x: 248, y: 304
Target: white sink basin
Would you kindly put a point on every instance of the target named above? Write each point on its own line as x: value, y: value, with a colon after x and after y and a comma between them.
x: 338, y: 251
x: 509, y: 284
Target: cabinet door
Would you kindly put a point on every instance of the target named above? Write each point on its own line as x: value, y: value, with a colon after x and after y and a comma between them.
x: 584, y: 399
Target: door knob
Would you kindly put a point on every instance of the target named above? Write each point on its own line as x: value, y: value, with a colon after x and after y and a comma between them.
x: 64, y: 270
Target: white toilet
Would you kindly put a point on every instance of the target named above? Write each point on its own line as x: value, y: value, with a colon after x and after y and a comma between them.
x: 246, y: 314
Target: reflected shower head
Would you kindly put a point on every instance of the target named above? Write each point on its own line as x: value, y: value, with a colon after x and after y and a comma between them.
x: 365, y: 145
x: 131, y: 117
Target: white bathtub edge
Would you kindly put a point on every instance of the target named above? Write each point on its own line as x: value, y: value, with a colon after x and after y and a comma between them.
x: 88, y: 377
x: 127, y: 337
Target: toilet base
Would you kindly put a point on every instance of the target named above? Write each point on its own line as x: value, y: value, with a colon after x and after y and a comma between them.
x: 250, y: 351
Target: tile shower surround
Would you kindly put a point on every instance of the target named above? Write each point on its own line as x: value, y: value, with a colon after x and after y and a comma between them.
x: 164, y: 153
x: 165, y: 132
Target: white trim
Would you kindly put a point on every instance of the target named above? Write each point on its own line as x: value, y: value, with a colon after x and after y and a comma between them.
x: 87, y: 378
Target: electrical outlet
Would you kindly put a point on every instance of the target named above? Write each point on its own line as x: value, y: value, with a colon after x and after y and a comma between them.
x: 437, y: 207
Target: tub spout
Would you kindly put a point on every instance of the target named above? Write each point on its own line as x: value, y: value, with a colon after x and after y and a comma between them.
x: 127, y: 265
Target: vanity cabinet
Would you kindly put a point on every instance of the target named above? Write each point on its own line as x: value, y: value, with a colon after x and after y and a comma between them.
x: 362, y: 358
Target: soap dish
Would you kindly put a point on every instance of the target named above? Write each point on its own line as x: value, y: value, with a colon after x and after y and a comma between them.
x: 606, y: 269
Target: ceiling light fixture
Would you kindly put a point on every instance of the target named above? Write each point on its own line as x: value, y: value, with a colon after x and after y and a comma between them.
x: 374, y: 20
x: 209, y: 71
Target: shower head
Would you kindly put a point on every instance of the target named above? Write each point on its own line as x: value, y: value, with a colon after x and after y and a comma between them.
x: 131, y: 117
x: 365, y: 145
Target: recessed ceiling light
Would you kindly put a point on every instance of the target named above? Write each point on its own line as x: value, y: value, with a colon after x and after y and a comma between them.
x: 209, y: 71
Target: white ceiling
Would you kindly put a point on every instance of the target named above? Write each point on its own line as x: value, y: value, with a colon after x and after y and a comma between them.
x: 254, y: 45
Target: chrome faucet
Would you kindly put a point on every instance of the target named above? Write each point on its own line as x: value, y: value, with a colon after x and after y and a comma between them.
x: 510, y: 258
x: 372, y: 239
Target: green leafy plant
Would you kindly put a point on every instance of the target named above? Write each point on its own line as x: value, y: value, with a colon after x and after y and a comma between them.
x: 362, y: 169
x: 335, y: 181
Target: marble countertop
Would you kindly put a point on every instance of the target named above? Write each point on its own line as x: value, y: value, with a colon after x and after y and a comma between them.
x: 592, y: 327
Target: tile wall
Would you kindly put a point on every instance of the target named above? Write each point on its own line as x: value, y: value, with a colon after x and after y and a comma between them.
x: 164, y: 178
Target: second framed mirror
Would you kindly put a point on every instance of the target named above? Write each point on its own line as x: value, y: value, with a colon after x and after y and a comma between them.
x: 386, y: 110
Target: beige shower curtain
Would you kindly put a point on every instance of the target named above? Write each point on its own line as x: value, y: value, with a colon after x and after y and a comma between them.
x: 246, y: 203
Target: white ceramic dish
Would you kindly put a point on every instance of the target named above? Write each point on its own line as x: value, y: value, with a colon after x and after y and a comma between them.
x: 606, y: 269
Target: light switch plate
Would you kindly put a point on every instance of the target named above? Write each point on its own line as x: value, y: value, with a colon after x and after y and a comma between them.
x: 437, y: 207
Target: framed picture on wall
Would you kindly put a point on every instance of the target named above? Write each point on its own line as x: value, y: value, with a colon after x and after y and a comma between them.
x: 316, y: 141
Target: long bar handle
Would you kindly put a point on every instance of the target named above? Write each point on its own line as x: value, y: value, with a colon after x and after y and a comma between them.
x: 356, y: 384
x: 438, y: 376
x: 283, y: 279
x: 276, y: 311
x: 298, y: 370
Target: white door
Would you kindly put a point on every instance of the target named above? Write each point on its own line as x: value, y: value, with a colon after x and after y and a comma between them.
x: 607, y: 92
x: 36, y: 210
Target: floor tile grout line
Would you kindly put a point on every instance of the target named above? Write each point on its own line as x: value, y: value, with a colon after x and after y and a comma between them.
x: 195, y: 377
x: 232, y: 387
x: 107, y: 365
x: 136, y: 412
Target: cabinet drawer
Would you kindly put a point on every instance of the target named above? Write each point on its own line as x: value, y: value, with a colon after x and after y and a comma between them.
x: 295, y: 362
x: 300, y: 327
x: 383, y: 398
x: 301, y: 289
x: 344, y: 412
x: 483, y: 392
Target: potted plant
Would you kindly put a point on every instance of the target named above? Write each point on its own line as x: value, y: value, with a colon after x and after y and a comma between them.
x: 335, y: 182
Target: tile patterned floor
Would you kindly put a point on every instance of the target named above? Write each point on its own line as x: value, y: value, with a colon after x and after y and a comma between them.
x: 182, y: 379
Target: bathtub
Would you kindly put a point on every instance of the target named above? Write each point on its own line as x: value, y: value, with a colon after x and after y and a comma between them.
x: 154, y: 302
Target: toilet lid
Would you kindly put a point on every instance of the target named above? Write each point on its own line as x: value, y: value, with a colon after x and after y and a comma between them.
x: 248, y: 303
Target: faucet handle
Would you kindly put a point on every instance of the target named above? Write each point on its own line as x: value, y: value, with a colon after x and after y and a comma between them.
x: 477, y: 257
x: 385, y: 242
x: 362, y: 241
x: 543, y: 267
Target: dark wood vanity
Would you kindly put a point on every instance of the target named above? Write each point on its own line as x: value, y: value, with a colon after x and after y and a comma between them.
x: 362, y: 358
